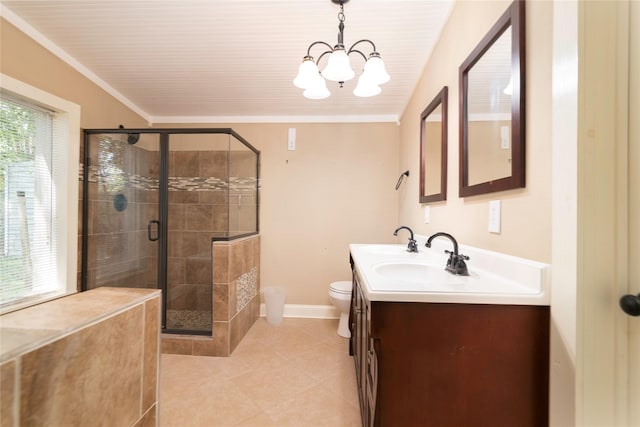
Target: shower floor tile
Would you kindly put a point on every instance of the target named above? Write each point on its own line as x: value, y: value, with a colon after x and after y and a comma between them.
x: 189, y: 319
x: 298, y: 373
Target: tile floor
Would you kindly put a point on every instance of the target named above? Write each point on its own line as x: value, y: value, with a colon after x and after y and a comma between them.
x: 298, y: 373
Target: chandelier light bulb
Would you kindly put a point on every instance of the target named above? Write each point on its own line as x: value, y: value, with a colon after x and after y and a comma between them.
x: 366, y: 87
x: 338, y: 67
x: 317, y: 89
x: 307, y: 72
x: 374, y: 68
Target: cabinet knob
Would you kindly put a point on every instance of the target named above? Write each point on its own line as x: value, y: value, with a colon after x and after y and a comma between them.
x: 630, y: 304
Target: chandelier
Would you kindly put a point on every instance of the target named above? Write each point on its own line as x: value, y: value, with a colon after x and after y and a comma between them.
x: 338, y: 68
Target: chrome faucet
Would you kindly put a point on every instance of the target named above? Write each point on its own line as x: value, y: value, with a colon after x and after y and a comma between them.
x: 412, y: 246
x: 456, y: 262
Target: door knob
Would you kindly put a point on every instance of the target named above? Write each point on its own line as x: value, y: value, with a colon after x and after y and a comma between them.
x: 630, y: 304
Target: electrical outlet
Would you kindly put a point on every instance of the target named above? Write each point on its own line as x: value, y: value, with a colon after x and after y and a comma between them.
x: 427, y: 214
x: 494, y: 216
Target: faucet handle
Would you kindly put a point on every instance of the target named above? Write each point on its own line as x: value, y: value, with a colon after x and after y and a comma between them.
x: 452, y: 254
x: 456, y: 264
x: 460, y: 265
x: 452, y: 258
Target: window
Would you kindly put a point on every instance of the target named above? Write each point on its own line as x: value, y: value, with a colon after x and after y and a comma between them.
x: 39, y: 157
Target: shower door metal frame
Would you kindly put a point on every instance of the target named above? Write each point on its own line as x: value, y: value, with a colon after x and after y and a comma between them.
x: 163, y: 205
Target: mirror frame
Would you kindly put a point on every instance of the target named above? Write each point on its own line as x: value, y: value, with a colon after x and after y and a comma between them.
x: 440, y: 99
x: 513, y: 17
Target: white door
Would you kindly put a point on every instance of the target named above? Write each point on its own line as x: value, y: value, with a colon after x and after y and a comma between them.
x: 608, y: 340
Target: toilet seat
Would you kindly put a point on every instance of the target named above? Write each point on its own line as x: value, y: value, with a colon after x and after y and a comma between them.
x: 343, y: 287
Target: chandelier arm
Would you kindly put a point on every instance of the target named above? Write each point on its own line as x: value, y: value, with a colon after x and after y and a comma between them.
x: 352, y: 50
x: 361, y: 41
x: 327, y: 52
x: 316, y: 43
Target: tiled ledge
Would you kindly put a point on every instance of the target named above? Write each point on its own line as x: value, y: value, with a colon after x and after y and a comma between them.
x: 86, y: 359
x: 27, y: 329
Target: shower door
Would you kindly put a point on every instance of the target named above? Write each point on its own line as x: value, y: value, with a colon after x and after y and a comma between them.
x: 150, y: 213
x: 121, y: 242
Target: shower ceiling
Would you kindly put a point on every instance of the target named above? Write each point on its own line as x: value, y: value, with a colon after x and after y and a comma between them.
x: 232, y: 61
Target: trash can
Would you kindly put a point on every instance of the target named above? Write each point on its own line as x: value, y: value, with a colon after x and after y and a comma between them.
x: 274, y: 301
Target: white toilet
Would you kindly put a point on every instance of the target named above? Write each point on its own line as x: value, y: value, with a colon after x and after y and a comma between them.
x: 340, y: 295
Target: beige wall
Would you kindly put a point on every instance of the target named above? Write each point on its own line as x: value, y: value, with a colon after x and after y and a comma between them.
x: 526, y: 213
x: 336, y: 188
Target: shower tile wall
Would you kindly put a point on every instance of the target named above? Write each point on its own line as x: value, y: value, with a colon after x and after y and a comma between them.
x: 236, y: 300
x: 197, y: 213
x: 203, y: 203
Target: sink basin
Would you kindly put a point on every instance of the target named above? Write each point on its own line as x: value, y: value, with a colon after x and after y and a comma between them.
x: 416, y: 271
x: 386, y: 249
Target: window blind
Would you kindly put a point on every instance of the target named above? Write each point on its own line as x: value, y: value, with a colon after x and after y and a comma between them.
x: 28, y: 224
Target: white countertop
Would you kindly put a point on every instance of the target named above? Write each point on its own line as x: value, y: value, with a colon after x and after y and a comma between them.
x: 420, y: 277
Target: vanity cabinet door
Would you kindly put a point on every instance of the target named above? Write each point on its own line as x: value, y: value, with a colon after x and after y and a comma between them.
x: 451, y: 365
x: 364, y: 354
x: 359, y: 338
x: 372, y: 382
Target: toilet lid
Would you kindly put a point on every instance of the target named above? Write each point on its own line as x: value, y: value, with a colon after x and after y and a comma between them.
x: 343, y: 287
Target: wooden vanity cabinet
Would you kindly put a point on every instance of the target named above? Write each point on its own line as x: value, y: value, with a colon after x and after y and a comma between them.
x: 438, y: 364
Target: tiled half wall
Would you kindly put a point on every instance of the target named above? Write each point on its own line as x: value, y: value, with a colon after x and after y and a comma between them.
x: 236, y: 300
x: 89, y: 359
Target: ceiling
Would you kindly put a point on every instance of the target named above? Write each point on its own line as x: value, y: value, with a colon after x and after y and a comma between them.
x: 190, y: 61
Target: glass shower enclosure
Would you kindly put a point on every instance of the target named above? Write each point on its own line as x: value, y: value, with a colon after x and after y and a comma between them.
x: 153, y: 200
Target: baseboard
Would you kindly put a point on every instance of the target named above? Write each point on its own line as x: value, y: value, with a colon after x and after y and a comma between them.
x: 306, y: 311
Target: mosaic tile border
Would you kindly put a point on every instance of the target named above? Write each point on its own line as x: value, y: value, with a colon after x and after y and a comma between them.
x: 139, y: 182
x: 246, y: 288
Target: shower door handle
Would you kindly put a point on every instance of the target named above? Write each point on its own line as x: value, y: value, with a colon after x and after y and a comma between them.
x: 151, y: 237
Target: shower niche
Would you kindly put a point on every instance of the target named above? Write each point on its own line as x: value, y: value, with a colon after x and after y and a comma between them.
x: 175, y: 209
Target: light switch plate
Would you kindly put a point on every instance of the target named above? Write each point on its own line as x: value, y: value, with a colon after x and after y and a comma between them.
x: 291, y: 141
x: 494, y: 216
x: 427, y: 214
x: 505, y: 135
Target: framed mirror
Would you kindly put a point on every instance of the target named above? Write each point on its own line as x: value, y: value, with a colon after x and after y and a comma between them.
x: 433, y: 149
x: 492, y: 108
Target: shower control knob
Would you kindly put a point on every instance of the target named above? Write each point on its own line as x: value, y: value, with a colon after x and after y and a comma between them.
x: 630, y: 304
